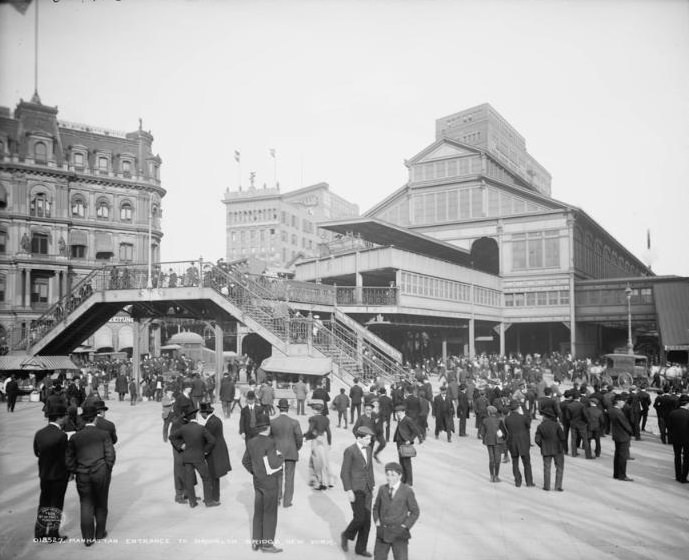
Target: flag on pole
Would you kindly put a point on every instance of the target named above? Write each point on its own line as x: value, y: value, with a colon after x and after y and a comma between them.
x: 648, y: 239
x: 236, y: 156
x: 272, y: 153
x: 20, y: 5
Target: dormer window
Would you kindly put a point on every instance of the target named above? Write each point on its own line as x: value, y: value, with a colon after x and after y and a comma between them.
x: 79, y: 160
x: 126, y: 212
x: 40, y: 151
x: 78, y: 207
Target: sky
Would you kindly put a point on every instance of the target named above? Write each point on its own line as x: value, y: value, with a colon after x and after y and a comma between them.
x: 345, y: 91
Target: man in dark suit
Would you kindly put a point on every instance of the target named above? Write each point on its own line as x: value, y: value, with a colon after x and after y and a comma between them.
x: 195, y: 442
x: 621, y: 434
x: 263, y: 460
x: 226, y: 393
x: 678, y: 429
x: 519, y: 443
x: 358, y: 482
x: 91, y: 457
x: 219, y: 458
x: 443, y: 412
x: 102, y: 423
x: 576, y: 416
x: 183, y: 402
x: 385, y: 409
x: 356, y: 394
x: 50, y: 446
x: 550, y: 437
x: 394, y: 514
x: 248, y: 416
x: 664, y: 404
x: 407, y: 431
x: 462, y: 409
x: 288, y: 438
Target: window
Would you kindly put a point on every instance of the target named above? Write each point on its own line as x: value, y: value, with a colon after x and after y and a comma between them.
x: 39, y: 290
x: 3, y: 241
x: 79, y: 160
x: 40, y: 206
x: 77, y: 251
x: 39, y: 243
x: 126, y: 252
x: 126, y: 212
x: 78, y: 207
x: 40, y: 152
x: 2, y: 288
x: 103, y: 256
x: 127, y: 168
x: 103, y: 210
x: 102, y: 163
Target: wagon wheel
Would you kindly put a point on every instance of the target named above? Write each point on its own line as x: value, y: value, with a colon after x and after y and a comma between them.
x: 606, y: 380
x: 624, y: 379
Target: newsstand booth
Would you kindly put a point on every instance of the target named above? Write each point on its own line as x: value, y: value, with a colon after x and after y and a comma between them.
x: 285, y: 371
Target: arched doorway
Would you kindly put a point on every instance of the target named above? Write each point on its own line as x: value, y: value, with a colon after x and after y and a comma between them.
x: 485, y: 255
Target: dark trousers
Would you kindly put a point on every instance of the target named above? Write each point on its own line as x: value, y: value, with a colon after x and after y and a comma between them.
x: 354, y: 407
x: 644, y: 419
x: 166, y: 425
x: 226, y: 408
x: 300, y: 407
x: 93, y: 489
x: 121, y: 395
x: 579, y: 433
x: 342, y: 415
x: 559, y: 470
x: 526, y: 460
x: 387, y: 428
x: 215, y: 489
x: 50, y: 506
x: 265, y: 510
x: 190, y: 479
x: 463, y: 425
x: 381, y: 445
x: 681, y: 460
x: 565, y: 429
x: 662, y: 428
x: 288, y: 485
x: 620, y: 459
x: 178, y: 473
x: 400, y: 549
x: 407, y: 473
x: 360, y: 525
x: 494, y: 454
x: 11, y: 401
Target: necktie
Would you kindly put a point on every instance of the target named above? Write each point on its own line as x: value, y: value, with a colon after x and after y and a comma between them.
x: 390, y: 491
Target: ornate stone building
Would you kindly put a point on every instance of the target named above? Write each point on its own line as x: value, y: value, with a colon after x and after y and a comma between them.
x: 72, y: 198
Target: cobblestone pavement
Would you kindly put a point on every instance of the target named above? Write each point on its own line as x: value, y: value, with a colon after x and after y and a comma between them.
x: 463, y: 515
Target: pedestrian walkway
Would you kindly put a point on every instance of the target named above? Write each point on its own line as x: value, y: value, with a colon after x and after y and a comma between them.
x: 462, y: 513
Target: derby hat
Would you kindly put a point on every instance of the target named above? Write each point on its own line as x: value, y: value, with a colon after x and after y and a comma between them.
x: 100, y: 405
x: 206, y: 407
x: 283, y: 404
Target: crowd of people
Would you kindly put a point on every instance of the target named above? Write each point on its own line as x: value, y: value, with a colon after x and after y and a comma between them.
x: 511, y: 408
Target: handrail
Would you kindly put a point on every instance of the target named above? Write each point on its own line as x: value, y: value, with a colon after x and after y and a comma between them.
x: 368, y: 335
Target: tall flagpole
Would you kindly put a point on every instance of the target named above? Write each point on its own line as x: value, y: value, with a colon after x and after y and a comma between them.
x: 35, y: 75
x: 275, y: 166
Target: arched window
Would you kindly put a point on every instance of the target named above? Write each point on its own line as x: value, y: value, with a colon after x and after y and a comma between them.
x: 40, y: 152
x: 126, y: 212
x: 103, y: 210
x: 78, y: 207
x: 40, y: 206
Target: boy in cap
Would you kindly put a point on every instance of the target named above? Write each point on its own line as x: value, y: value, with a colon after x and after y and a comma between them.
x: 50, y: 446
x: 394, y: 513
x: 358, y: 482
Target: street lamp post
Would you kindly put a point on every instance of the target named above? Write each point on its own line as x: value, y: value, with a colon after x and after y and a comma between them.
x: 630, y: 344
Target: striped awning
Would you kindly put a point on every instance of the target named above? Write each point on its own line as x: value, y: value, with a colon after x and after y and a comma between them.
x: 672, y: 307
x: 78, y: 237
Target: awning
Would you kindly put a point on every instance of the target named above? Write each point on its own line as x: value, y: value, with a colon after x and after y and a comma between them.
x: 35, y: 363
x: 672, y: 307
x: 78, y: 237
x: 297, y: 364
x: 104, y: 243
x: 171, y: 347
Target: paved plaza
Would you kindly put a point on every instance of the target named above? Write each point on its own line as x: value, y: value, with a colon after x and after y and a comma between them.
x: 463, y: 515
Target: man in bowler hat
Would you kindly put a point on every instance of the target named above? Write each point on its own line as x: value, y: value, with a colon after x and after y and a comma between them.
x: 219, y: 458
x: 50, y: 446
x: 288, y: 437
x: 263, y: 460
